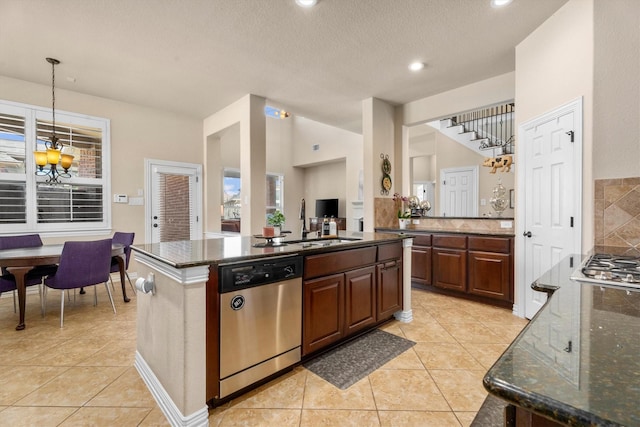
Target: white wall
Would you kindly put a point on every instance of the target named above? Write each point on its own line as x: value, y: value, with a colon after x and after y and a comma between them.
x: 379, y: 138
x: 136, y: 133
x: 340, y: 151
x: 248, y: 112
x: 466, y: 98
x: 616, y: 92
x: 554, y: 65
x: 326, y: 182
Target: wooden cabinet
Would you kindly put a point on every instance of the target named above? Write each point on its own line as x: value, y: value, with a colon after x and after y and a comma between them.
x: 348, y: 291
x: 478, y: 267
x: 491, y: 267
x: 421, y: 260
x: 323, y: 312
x: 389, y: 278
x: 450, y: 262
x: 360, y: 299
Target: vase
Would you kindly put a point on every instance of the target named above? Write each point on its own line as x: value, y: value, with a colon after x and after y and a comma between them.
x: 402, y: 223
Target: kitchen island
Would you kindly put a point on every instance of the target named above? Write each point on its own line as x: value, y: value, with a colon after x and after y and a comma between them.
x: 178, y: 325
x: 577, y: 362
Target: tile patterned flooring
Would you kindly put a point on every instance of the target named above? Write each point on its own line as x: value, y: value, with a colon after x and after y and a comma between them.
x: 83, y: 374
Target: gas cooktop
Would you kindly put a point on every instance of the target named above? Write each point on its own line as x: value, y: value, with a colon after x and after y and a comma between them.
x: 609, y: 269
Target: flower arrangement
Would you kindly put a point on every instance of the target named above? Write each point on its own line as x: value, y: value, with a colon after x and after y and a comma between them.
x: 400, y: 201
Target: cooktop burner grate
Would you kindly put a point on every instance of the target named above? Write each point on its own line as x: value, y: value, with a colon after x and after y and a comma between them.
x: 614, y: 268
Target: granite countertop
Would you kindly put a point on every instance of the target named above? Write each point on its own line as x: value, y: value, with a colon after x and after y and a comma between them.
x: 192, y: 253
x: 578, y: 360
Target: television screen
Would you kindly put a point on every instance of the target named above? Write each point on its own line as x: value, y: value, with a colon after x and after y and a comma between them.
x: 326, y: 207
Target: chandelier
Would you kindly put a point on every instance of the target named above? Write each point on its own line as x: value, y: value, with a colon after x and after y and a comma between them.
x: 53, y: 154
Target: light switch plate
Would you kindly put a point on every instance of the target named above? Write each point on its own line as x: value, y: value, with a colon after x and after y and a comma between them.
x: 506, y: 224
x: 120, y: 198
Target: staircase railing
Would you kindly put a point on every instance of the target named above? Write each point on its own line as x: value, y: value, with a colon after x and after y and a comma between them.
x: 493, y: 126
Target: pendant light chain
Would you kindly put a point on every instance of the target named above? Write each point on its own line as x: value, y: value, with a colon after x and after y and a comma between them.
x: 53, y: 96
x: 53, y: 62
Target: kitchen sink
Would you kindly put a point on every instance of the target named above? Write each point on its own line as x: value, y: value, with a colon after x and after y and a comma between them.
x: 322, y: 242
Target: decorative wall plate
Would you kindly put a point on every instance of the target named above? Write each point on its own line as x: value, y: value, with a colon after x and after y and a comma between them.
x: 386, y: 174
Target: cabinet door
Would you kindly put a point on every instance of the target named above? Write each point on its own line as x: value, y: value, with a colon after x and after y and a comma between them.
x: 490, y: 275
x: 389, y: 288
x: 421, y: 265
x: 450, y: 269
x: 360, y: 299
x: 323, y: 315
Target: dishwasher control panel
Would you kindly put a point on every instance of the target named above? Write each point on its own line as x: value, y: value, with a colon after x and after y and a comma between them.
x: 233, y: 277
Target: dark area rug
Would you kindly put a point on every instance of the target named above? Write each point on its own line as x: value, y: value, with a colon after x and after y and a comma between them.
x: 347, y: 364
x: 491, y: 413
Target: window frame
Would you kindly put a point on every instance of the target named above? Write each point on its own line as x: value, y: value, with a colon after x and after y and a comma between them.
x: 32, y: 114
x: 268, y: 208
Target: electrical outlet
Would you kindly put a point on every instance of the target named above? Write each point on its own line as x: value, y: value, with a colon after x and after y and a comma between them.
x: 506, y: 224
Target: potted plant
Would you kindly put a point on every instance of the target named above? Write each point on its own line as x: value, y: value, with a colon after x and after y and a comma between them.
x: 404, y: 216
x: 275, y: 221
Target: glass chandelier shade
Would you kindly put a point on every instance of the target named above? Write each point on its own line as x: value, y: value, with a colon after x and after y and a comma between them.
x: 53, y: 155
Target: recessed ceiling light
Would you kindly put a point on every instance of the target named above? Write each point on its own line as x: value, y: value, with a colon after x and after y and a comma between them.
x: 306, y: 3
x: 500, y: 3
x: 416, y: 66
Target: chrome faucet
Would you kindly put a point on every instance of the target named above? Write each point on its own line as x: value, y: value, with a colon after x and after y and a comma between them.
x: 303, y: 232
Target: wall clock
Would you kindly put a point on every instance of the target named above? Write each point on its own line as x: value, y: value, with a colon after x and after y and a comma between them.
x: 386, y: 174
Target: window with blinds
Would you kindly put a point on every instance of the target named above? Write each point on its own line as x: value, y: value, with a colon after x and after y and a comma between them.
x: 27, y: 201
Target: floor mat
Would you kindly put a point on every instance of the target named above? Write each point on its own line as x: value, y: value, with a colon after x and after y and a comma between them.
x: 347, y: 364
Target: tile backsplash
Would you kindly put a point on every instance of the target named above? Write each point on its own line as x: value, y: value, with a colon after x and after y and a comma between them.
x: 386, y: 217
x: 617, y: 212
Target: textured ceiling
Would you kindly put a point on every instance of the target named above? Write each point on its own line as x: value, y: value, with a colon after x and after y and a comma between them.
x: 195, y: 57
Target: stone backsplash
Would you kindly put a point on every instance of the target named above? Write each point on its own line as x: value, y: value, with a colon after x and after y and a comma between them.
x: 617, y: 212
x: 386, y: 216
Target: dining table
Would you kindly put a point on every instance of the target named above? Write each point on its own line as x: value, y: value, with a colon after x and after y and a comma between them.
x: 19, y: 261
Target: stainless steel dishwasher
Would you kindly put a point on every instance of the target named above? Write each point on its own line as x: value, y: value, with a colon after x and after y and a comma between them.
x: 260, y: 320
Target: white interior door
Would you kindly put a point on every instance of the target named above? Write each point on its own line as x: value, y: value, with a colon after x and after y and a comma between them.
x: 459, y: 192
x: 174, y: 201
x: 550, y: 191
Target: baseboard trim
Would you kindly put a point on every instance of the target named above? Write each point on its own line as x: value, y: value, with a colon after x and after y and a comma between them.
x: 169, y: 409
x: 404, y: 316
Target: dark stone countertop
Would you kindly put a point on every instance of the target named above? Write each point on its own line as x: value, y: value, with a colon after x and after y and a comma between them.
x: 192, y: 253
x: 578, y: 360
x: 410, y: 231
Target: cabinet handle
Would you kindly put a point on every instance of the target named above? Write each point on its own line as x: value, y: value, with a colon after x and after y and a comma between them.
x: 389, y: 265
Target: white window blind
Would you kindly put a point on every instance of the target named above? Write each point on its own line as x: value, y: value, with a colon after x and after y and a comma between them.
x: 27, y: 202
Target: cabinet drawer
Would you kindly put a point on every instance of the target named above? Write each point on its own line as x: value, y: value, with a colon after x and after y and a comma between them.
x: 490, y: 244
x: 333, y: 262
x: 450, y: 241
x: 421, y: 239
x: 390, y: 251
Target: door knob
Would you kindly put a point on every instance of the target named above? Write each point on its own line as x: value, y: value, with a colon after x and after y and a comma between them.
x: 527, y: 234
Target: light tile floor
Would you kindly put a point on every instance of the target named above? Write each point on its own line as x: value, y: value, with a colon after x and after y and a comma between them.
x: 83, y: 374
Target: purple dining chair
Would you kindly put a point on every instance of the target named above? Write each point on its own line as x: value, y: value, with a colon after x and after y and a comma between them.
x: 125, y: 239
x: 34, y: 276
x: 82, y: 264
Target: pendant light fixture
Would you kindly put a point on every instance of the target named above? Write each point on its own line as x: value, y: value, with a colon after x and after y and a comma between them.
x: 53, y: 155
